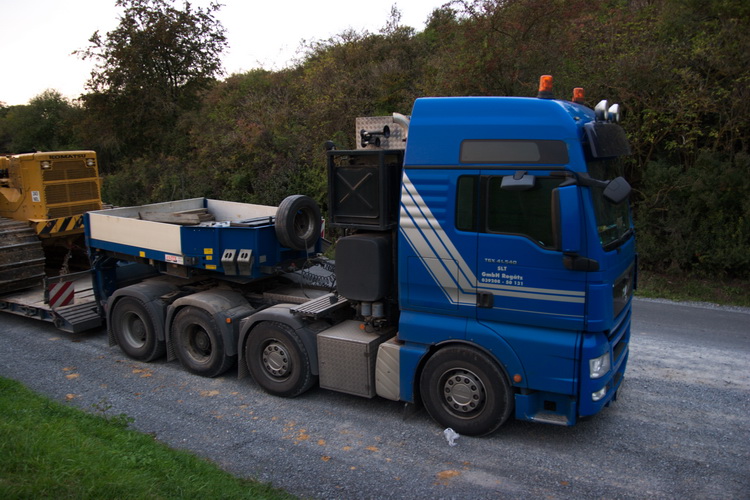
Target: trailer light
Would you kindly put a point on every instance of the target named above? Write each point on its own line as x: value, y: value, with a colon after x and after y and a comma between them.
x: 598, y: 395
x: 229, y: 321
x: 598, y: 367
x: 517, y: 378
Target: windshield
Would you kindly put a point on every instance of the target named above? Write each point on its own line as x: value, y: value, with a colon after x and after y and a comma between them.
x: 612, y: 221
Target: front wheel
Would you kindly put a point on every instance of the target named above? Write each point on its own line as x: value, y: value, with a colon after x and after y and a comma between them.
x: 278, y: 361
x: 464, y: 389
x: 134, y: 330
x: 198, y: 343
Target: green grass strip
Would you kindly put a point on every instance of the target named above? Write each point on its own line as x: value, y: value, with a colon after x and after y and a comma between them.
x: 722, y: 291
x: 49, y: 450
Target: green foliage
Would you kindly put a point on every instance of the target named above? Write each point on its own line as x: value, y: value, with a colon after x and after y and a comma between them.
x: 150, y: 70
x: 48, y: 450
x: 680, y: 68
x: 696, y: 219
x: 681, y: 287
x: 49, y: 122
x: 501, y: 47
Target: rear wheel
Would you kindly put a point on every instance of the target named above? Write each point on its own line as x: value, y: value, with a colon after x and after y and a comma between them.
x: 198, y: 343
x: 278, y: 361
x: 134, y: 330
x: 464, y: 389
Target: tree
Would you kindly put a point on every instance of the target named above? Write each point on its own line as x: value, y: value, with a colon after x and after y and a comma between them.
x: 46, y: 123
x: 150, y: 69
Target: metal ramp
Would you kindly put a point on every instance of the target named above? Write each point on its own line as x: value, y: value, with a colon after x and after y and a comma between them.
x: 77, y: 318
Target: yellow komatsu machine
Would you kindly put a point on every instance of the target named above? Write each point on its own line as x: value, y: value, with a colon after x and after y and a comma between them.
x: 43, y: 197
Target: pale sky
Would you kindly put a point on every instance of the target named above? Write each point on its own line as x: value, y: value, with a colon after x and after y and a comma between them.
x: 38, y: 36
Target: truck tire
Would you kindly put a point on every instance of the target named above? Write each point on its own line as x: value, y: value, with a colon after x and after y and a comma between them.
x: 198, y: 343
x: 466, y: 390
x: 278, y: 361
x: 134, y: 331
x: 298, y: 222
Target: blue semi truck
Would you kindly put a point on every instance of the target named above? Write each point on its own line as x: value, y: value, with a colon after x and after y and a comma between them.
x: 485, y: 268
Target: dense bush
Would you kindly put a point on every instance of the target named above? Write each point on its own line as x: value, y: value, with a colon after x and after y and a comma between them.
x: 696, y: 219
x: 680, y: 68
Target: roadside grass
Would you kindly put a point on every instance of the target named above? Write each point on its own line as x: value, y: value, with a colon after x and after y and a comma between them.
x: 723, y: 291
x: 49, y: 450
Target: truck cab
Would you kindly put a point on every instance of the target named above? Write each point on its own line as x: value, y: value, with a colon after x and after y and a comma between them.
x: 514, y: 253
x: 507, y: 227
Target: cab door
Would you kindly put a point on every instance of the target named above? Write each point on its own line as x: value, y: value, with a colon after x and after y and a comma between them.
x: 525, y: 292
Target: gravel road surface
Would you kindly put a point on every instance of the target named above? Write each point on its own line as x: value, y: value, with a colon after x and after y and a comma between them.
x: 680, y: 428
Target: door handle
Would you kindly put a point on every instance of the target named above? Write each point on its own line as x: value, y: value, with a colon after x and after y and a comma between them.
x: 485, y: 300
x: 575, y: 262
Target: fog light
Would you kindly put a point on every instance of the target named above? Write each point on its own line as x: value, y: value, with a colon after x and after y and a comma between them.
x: 596, y: 396
x: 598, y: 367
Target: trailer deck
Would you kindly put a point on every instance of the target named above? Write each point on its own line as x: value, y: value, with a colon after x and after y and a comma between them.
x: 234, y: 239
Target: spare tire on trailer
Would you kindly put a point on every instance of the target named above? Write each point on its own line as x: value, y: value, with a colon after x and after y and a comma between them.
x: 298, y: 222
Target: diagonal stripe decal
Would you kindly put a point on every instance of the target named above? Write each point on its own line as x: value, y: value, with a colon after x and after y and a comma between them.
x: 60, y: 225
x: 434, y: 248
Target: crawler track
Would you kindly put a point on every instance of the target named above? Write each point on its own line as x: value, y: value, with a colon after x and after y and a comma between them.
x: 21, y: 256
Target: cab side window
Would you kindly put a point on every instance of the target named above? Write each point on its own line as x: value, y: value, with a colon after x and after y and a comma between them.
x: 526, y: 213
x: 484, y: 206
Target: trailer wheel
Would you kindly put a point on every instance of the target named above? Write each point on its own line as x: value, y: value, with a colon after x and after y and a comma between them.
x: 464, y: 389
x: 298, y: 222
x: 278, y: 361
x: 198, y: 343
x: 133, y: 328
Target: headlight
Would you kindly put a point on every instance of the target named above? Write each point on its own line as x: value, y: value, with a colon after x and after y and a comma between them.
x: 596, y: 396
x: 598, y: 367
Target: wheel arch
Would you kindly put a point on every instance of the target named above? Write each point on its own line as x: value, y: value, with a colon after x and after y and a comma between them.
x: 226, y: 307
x: 506, y: 369
x: 149, y: 294
x: 279, y: 313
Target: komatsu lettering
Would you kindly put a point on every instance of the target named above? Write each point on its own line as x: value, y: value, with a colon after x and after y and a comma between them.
x: 65, y: 157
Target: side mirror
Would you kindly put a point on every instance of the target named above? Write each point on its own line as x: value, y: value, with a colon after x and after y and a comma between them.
x: 617, y: 190
x: 568, y: 224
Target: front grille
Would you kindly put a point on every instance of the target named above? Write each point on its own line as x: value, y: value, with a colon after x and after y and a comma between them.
x: 618, y: 350
x: 614, y: 335
x: 68, y: 170
x: 622, y: 291
x: 71, y: 193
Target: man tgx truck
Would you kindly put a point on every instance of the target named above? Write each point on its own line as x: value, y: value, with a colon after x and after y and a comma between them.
x: 486, y: 268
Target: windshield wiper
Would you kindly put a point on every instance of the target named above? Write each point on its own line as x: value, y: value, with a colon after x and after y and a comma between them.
x: 619, y: 241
